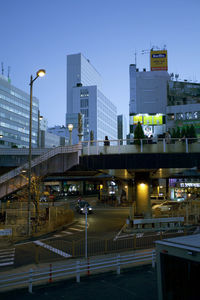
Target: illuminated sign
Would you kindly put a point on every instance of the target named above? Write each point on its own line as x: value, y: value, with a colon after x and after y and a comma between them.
x: 137, y: 119
x: 159, y: 60
x: 157, y: 120
x: 148, y: 120
x: 190, y: 184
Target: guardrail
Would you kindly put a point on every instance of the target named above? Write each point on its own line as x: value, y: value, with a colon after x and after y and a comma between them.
x: 174, y: 145
x: 48, y: 275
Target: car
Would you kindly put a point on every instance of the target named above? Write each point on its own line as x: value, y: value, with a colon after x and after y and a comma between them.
x: 166, y: 206
x: 80, y: 206
x: 43, y: 199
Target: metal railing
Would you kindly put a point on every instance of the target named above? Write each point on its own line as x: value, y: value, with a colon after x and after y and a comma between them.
x: 40, y: 159
x: 76, y: 269
x: 174, y: 145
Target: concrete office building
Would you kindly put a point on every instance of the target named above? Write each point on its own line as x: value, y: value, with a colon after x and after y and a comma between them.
x: 183, y: 107
x: 14, y: 116
x: 84, y: 95
x: 52, y: 137
x: 148, y: 100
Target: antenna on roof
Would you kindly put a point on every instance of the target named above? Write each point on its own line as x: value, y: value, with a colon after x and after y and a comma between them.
x: 2, y: 69
x: 8, y: 72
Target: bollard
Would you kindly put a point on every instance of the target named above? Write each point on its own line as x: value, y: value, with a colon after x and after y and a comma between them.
x: 50, y: 273
x: 30, y: 285
x: 78, y: 271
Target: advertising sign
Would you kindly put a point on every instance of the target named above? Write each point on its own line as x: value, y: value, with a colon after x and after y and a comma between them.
x: 137, y: 119
x: 148, y: 120
x: 157, y: 120
x: 159, y: 60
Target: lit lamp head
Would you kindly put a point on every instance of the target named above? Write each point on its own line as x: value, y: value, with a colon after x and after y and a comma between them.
x: 70, y: 127
x: 1, y: 136
x: 40, y: 118
x: 41, y: 73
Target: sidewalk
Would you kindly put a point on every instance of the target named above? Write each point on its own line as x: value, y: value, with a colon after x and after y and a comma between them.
x: 138, y: 283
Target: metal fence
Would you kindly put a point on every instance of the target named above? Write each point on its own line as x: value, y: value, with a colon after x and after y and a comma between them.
x: 75, y: 269
x: 127, y: 242
x: 174, y: 145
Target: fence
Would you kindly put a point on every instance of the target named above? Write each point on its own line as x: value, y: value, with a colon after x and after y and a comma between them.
x: 127, y: 242
x: 76, y: 269
x: 175, y: 145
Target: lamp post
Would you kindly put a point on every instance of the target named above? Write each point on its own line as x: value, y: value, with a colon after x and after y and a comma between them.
x: 40, y: 73
x: 70, y: 128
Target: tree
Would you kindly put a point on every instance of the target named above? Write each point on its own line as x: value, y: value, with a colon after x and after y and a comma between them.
x: 36, y: 193
x: 192, y: 132
x: 183, y: 132
x: 178, y: 132
x: 138, y: 133
x: 173, y: 135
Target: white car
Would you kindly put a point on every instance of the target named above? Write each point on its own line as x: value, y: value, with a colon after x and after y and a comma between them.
x: 166, y: 206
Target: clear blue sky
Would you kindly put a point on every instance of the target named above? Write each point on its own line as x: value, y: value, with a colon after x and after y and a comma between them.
x: 40, y: 33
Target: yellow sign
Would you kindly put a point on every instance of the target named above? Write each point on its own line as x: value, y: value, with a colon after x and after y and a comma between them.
x: 148, y: 120
x: 159, y: 60
x: 137, y: 119
x: 157, y: 120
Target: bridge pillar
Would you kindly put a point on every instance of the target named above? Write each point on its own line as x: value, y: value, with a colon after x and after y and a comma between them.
x: 143, y: 204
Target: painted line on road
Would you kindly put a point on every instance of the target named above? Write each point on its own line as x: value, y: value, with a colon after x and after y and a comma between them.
x: 50, y: 248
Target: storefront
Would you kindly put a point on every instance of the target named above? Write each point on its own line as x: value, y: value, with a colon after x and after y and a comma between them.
x: 184, y: 189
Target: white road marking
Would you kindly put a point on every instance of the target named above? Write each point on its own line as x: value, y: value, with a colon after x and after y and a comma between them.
x: 57, y: 251
x: 7, y: 257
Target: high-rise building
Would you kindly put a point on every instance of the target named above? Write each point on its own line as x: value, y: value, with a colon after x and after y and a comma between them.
x: 121, y: 128
x: 84, y: 95
x: 14, y: 116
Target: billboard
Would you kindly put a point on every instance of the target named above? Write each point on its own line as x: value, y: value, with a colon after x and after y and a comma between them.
x: 158, y: 60
x: 137, y: 119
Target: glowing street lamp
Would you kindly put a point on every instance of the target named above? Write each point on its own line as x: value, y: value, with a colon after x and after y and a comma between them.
x: 40, y: 73
x: 70, y: 128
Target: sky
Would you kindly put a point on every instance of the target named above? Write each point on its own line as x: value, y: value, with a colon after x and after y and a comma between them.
x: 41, y: 33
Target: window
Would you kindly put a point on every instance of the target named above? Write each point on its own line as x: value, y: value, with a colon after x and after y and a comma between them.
x: 85, y: 112
x: 84, y: 93
x: 84, y: 103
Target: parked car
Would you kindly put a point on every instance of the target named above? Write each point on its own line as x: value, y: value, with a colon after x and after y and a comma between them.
x: 80, y: 206
x: 166, y: 206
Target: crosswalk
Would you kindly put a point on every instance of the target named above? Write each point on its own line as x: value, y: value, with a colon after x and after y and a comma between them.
x: 77, y: 228
x: 7, y: 257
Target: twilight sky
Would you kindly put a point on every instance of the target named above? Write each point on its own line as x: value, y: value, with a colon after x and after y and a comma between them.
x: 40, y: 33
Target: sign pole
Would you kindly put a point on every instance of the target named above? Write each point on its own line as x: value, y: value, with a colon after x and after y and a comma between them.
x: 86, y: 232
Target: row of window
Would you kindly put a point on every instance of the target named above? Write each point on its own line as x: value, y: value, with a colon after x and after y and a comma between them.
x: 20, y: 129
x: 14, y: 119
x: 17, y: 103
x: 84, y: 103
x: 22, y: 98
x: 17, y: 137
x: 84, y: 93
x: 185, y: 116
x: 16, y: 111
x: 85, y: 112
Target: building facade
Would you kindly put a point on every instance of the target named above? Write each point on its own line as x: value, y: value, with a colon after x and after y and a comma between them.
x: 183, y: 107
x: 121, y: 128
x: 84, y: 95
x: 14, y: 116
x: 148, y: 100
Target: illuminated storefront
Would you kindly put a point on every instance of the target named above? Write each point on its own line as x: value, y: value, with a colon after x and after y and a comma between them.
x: 182, y: 189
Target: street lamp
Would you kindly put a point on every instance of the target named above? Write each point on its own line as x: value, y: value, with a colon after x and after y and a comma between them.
x: 40, y: 73
x: 70, y: 128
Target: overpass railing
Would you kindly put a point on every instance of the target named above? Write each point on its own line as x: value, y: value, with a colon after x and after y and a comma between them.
x: 40, y: 159
x: 174, y: 145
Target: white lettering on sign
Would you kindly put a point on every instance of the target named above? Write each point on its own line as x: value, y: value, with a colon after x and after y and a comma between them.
x: 5, y: 232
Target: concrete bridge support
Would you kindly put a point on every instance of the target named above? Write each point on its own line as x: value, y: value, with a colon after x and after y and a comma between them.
x: 143, y: 203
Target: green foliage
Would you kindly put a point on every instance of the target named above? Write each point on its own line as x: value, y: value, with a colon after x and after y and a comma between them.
x: 178, y: 132
x: 173, y: 133
x: 183, y: 132
x: 139, y: 133
x: 192, y: 131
